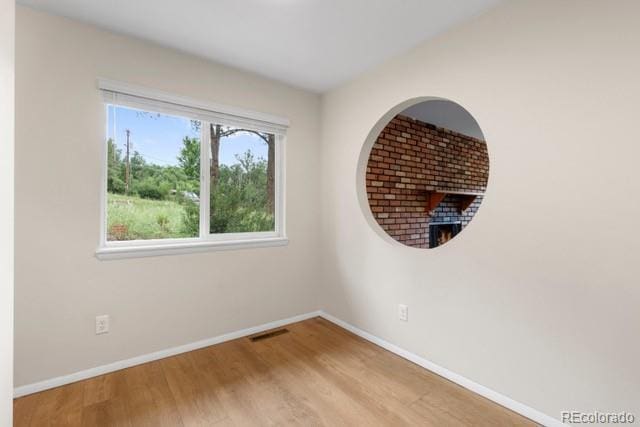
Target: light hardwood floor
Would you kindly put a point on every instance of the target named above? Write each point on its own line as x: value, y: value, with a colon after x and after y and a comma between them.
x: 317, y: 374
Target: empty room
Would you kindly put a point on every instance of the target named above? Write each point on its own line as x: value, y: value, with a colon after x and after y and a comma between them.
x: 319, y: 213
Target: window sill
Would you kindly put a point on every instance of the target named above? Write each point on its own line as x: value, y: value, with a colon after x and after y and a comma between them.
x: 141, y: 251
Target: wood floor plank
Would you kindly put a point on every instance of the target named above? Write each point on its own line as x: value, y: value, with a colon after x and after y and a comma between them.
x: 274, y: 404
x: 337, y: 364
x: 468, y: 408
x: 107, y: 413
x: 24, y: 408
x: 149, y: 401
x: 316, y: 374
x: 219, y: 373
x: 198, y: 404
x: 369, y: 370
x: 61, y: 406
x: 292, y: 367
x: 99, y: 389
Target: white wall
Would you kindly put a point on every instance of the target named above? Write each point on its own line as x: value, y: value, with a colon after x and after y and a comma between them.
x: 7, y: 39
x: 154, y: 303
x: 538, y: 298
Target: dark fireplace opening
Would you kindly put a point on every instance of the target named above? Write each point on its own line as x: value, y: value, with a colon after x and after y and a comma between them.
x: 441, y: 232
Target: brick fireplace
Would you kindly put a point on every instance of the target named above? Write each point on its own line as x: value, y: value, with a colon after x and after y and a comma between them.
x: 422, y: 179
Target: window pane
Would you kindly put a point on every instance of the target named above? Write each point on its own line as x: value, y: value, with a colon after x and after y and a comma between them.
x: 242, y: 180
x: 153, y: 175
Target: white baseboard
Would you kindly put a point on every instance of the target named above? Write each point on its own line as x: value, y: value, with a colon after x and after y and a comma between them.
x: 492, y: 395
x: 483, y: 391
x: 138, y: 360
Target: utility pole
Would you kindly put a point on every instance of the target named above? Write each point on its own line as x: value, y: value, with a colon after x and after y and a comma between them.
x: 114, y: 154
x: 127, y: 170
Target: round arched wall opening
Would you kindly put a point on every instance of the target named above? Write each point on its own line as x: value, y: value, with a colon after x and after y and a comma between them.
x: 423, y: 172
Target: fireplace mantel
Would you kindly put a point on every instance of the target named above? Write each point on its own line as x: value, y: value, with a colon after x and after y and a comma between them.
x: 435, y: 197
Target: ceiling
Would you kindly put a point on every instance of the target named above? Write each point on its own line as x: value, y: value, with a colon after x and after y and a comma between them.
x: 446, y: 114
x: 313, y: 44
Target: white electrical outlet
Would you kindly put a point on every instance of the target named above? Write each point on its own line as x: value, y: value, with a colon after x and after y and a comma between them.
x: 403, y: 312
x: 102, y: 324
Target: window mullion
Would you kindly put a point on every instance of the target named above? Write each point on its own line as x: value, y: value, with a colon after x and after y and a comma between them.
x: 205, y: 182
x: 280, y: 210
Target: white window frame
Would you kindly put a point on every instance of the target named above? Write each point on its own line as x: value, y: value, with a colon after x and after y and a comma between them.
x: 130, y: 96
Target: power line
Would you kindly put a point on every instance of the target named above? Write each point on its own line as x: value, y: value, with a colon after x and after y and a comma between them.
x: 129, y: 146
x: 156, y: 158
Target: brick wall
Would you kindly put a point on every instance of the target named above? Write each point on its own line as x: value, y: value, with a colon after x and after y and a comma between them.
x: 410, y: 158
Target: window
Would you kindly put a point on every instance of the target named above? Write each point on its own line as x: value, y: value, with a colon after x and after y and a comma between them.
x: 183, y: 176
